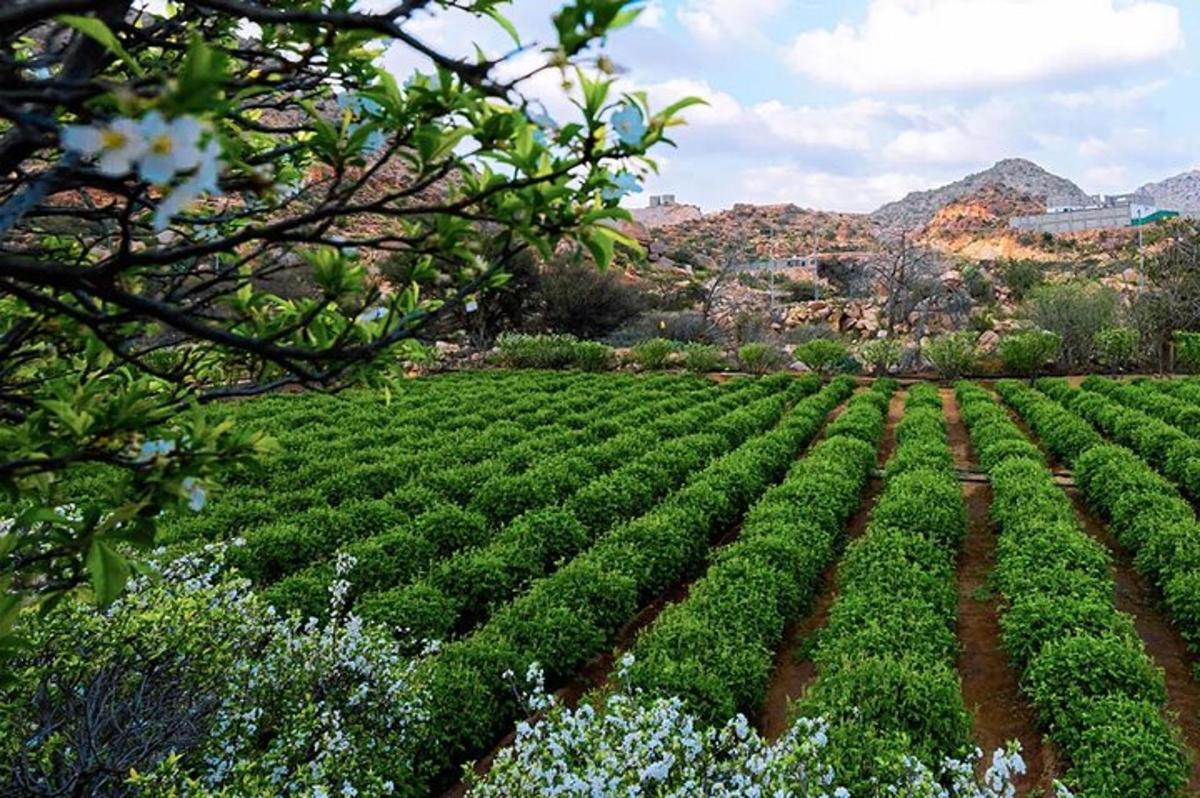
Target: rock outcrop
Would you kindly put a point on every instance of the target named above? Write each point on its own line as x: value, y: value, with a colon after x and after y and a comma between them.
x: 918, y: 208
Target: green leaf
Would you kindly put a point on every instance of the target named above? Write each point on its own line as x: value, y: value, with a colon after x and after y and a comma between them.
x: 503, y: 22
x: 109, y: 572
x: 96, y: 30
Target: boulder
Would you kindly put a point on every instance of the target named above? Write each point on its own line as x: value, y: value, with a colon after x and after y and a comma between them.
x: 988, y: 341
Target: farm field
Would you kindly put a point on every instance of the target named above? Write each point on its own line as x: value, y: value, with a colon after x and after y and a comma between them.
x: 784, y: 582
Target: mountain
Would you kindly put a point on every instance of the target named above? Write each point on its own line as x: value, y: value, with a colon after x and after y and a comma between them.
x: 757, y: 232
x: 1179, y: 193
x: 665, y: 215
x: 918, y: 208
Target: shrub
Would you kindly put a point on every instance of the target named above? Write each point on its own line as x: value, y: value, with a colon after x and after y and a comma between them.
x: 1117, y: 347
x: 1076, y: 312
x: 702, y: 358
x: 592, y: 356
x: 1071, y: 671
x: 952, y: 354
x: 1026, y: 353
x: 821, y: 355
x: 653, y: 354
x: 759, y: 357
x: 536, y: 351
x: 587, y: 302
x: 1187, y: 350
x: 1127, y: 750
x: 1021, y: 276
x: 881, y: 354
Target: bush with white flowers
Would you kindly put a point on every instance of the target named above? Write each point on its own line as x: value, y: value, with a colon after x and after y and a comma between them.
x: 628, y: 742
x: 223, y: 696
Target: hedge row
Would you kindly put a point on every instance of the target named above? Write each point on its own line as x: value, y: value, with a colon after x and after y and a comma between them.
x: 272, y: 551
x: 1141, y: 396
x: 1186, y: 390
x: 1149, y: 517
x: 321, y: 475
x: 1064, y: 433
x: 1096, y: 691
x: 886, y: 677
x: 1169, y: 449
x: 575, y: 613
x: 715, y: 649
x: 460, y: 592
x: 393, y: 559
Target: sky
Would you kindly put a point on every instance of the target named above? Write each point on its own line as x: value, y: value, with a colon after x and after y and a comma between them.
x: 848, y: 104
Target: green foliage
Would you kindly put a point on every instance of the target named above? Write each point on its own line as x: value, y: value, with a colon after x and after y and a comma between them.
x: 702, y: 358
x: 759, y: 357
x: 1076, y: 312
x: 821, y: 355
x: 886, y: 659
x: 126, y: 372
x: 713, y: 650
x: 1020, y: 277
x: 592, y: 356
x: 881, y: 354
x: 654, y: 353
x: 1117, y: 347
x: 1026, y: 353
x: 952, y: 354
x: 1081, y: 659
x: 1187, y: 350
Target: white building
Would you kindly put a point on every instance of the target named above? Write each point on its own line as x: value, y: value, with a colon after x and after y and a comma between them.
x: 1105, y: 212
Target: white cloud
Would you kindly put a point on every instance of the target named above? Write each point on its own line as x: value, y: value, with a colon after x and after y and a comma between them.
x: 1113, y: 98
x: 824, y: 190
x: 952, y: 135
x: 847, y: 126
x: 715, y: 22
x: 651, y: 16
x: 907, y: 45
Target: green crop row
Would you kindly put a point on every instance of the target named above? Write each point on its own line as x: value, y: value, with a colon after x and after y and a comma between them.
x: 575, y: 613
x: 1141, y: 396
x: 1186, y: 390
x: 886, y: 677
x: 1094, y: 688
x: 276, y: 549
x: 1151, y: 519
x: 459, y: 592
x: 1064, y: 433
x: 715, y: 649
x: 1169, y: 449
x: 386, y: 564
x: 320, y: 476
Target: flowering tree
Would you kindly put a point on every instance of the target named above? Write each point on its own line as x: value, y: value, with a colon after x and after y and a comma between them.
x: 191, y: 204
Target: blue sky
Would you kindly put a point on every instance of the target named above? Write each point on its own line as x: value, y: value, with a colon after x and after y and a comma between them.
x: 846, y: 104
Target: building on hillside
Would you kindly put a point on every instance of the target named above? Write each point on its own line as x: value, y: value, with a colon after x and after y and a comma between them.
x: 1104, y: 212
x: 662, y: 200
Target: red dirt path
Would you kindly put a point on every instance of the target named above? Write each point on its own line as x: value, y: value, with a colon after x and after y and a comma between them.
x: 989, y: 684
x: 793, y: 671
x: 1163, y: 641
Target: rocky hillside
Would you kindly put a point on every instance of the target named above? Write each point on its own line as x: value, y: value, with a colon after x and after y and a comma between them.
x: 917, y: 209
x: 1179, y: 193
x: 755, y: 232
x: 665, y: 215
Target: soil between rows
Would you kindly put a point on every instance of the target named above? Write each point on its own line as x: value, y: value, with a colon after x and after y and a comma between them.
x: 990, y: 686
x: 793, y: 670
x: 1133, y: 596
x: 1163, y: 642
x: 598, y: 671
